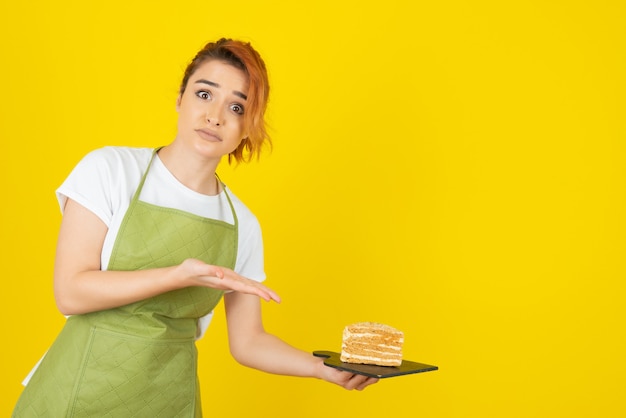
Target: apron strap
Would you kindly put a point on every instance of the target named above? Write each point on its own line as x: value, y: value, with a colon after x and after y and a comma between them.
x: 232, y: 207
x: 143, y: 178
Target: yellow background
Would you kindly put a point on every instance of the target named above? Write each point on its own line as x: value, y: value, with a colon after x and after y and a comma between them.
x: 453, y: 169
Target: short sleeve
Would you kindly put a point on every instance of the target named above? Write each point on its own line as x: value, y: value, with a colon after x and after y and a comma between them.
x: 89, y: 184
x: 250, y: 262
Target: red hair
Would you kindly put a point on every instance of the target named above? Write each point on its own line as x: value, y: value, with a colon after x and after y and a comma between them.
x: 241, y: 55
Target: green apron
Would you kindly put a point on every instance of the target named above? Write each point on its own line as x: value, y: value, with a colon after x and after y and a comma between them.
x: 137, y: 360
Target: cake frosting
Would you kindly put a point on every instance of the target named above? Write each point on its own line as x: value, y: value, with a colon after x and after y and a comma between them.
x: 372, y: 343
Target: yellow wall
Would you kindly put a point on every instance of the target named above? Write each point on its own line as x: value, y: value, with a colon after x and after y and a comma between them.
x: 454, y: 169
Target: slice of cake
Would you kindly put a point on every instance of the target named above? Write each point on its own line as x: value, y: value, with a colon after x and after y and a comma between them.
x: 372, y: 343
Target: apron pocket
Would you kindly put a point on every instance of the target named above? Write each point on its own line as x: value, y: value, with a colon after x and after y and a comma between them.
x: 125, y: 375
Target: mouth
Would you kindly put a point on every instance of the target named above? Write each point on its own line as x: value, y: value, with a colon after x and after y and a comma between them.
x: 208, y: 135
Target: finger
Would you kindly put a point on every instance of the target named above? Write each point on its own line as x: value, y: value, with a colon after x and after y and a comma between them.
x: 266, y: 294
x: 200, y: 268
x: 273, y: 296
x: 366, y: 383
x: 346, y: 379
x: 355, y: 381
x: 260, y: 290
x: 359, y: 382
x: 244, y: 285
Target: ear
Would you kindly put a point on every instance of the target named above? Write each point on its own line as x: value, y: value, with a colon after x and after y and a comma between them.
x: 178, y: 100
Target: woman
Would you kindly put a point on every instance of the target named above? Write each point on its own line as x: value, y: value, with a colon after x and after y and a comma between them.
x: 149, y: 243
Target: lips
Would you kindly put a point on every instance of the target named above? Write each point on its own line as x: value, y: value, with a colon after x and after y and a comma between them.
x: 208, y: 135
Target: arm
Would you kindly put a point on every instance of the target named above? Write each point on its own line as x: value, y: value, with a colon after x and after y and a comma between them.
x: 80, y: 286
x: 251, y: 346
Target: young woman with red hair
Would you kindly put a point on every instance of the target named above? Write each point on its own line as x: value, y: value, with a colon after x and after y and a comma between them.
x: 150, y: 242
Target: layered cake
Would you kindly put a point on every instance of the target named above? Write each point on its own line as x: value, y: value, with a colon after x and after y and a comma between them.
x: 372, y: 343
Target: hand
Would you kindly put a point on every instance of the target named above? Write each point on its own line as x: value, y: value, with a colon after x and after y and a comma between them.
x: 197, y: 273
x: 345, y: 379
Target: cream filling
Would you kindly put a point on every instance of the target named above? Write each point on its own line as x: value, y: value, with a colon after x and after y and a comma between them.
x: 349, y: 335
x: 362, y: 357
x: 371, y: 360
x: 371, y: 346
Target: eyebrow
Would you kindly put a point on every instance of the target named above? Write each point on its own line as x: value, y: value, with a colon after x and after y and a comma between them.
x: 213, y: 84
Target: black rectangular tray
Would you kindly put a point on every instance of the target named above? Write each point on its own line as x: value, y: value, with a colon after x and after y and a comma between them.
x: 332, y: 359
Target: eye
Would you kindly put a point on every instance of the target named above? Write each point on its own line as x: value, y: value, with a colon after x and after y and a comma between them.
x: 237, y: 108
x: 203, y: 94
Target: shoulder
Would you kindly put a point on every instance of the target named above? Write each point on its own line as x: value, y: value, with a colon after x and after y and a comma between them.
x: 118, y: 156
x: 114, y: 163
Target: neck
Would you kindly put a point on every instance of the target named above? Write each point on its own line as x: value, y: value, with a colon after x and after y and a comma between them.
x: 196, y: 173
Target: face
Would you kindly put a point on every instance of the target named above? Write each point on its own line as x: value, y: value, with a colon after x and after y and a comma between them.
x: 211, y: 109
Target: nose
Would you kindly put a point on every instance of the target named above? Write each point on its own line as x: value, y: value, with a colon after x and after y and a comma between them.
x: 213, y: 115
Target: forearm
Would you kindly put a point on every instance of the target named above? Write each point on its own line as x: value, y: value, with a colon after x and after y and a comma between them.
x: 270, y: 354
x: 90, y: 291
x: 252, y: 346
